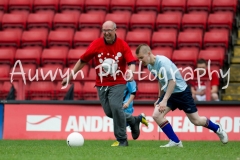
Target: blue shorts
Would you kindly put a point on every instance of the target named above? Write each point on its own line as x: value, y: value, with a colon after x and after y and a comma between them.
x: 182, y: 101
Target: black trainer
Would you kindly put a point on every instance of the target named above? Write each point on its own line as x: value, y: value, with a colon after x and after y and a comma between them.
x: 120, y: 144
x: 135, y: 128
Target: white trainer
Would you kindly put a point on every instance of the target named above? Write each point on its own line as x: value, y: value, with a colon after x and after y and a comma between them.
x: 173, y: 144
x: 222, y: 134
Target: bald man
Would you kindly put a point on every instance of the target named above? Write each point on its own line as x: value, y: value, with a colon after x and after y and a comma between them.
x: 176, y: 95
x: 111, y: 86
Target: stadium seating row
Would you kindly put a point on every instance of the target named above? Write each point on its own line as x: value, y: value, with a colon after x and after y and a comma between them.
x: 114, y: 5
x: 57, y: 58
x: 126, y: 21
x: 47, y: 90
x: 81, y: 39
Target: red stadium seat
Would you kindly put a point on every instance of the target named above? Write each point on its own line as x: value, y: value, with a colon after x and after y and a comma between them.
x: 46, y: 6
x: 34, y: 38
x: 42, y: 90
x: 174, y: 5
x: 147, y: 90
x: 121, y: 20
x: 1, y: 15
x: 81, y: 75
x: 216, y: 56
x: 1, y: 94
x: 28, y: 56
x: 148, y: 5
x: 128, y: 5
x: 89, y: 91
x: 164, y: 39
x: 138, y: 37
x: 72, y: 5
x: 196, y: 5
x: 91, y: 20
x: 224, y: 5
x: 14, y: 21
x: 6, y: 88
x: 194, y: 20
x: 65, y: 22
x: 60, y: 38
x: 216, y: 39
x: 37, y: 21
x: 91, y: 75
x: 97, y: 5
x: 50, y: 72
x: 121, y: 33
x: 10, y: 38
x: 74, y: 55
x: 190, y: 39
x: 20, y: 6
x: 4, y: 70
x: 185, y: 57
x: 3, y: 5
x: 169, y: 20
x: 61, y: 93
x: 54, y: 56
x: 84, y: 38
x: 142, y: 21
x: 27, y: 68
x: 164, y: 51
x: 7, y: 56
x: 220, y: 20
x: 78, y: 90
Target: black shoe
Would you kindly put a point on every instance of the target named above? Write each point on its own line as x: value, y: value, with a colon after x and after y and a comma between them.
x: 135, y: 128
x: 120, y: 144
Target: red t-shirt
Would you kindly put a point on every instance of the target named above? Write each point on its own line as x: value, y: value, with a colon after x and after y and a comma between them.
x: 118, y: 51
x: 213, y: 82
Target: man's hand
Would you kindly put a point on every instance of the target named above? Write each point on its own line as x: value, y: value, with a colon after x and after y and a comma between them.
x: 129, y: 75
x: 125, y: 105
x: 65, y: 82
x: 162, y: 106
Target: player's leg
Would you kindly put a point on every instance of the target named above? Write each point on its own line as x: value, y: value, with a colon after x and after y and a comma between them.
x: 214, y: 97
x: 190, y: 109
x: 115, y: 98
x: 128, y: 110
x: 166, y: 127
x: 102, y: 94
x: 142, y: 116
x: 205, y: 122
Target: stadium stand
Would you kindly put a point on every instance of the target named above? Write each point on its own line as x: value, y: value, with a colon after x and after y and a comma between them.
x: 50, y: 34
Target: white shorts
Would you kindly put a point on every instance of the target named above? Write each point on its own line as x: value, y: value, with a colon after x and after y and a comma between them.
x: 201, y: 98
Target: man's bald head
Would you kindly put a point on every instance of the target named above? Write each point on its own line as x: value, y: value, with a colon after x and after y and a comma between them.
x: 109, y: 31
x: 143, y: 48
x: 109, y: 24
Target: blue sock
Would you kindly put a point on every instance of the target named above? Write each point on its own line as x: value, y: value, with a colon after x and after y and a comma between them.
x: 210, y: 125
x: 167, y: 129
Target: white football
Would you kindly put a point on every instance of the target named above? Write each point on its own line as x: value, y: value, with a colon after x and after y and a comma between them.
x: 75, y: 139
x: 109, y: 65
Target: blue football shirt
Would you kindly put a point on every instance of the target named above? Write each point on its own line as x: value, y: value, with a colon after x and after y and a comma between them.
x: 164, y: 69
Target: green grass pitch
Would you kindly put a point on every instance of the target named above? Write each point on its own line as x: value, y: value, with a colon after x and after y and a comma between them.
x: 102, y: 150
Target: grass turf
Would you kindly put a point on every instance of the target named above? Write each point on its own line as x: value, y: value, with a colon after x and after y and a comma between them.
x: 101, y: 150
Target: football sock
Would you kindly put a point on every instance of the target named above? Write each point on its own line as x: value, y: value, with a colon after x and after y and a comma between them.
x: 210, y: 125
x: 167, y: 129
